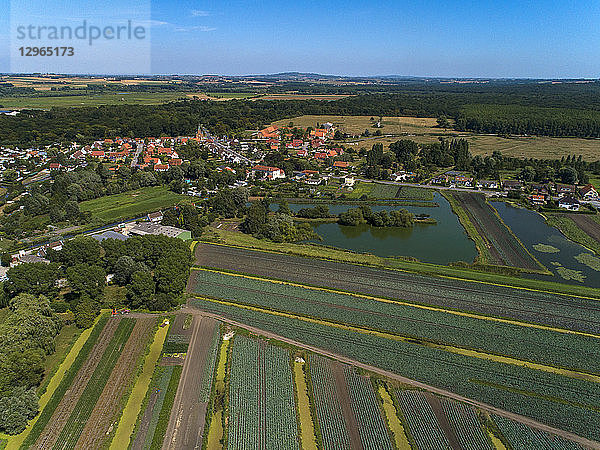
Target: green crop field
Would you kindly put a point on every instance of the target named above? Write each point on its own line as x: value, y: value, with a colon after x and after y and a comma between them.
x: 426, y: 346
x: 87, y: 401
x: 64, y: 385
x: 131, y: 204
x: 130, y: 98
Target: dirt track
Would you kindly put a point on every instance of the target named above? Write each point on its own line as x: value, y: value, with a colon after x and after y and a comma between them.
x: 436, y: 406
x: 527, y: 421
x: 67, y: 404
x: 186, y: 424
x: 108, y: 406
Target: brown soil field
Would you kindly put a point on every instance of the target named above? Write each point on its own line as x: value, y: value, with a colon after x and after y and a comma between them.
x: 68, y: 402
x: 186, y: 424
x: 587, y: 224
x: 436, y: 406
x: 358, y: 124
x: 550, y: 309
x: 105, y: 415
x: 424, y: 131
x: 341, y: 388
x: 504, y: 247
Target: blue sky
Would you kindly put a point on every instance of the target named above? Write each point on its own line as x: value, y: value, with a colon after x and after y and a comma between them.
x: 539, y: 39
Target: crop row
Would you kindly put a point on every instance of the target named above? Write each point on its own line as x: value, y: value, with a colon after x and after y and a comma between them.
x: 262, y: 410
x: 165, y: 411
x: 209, y: 366
x: 64, y: 385
x: 522, y: 437
x: 466, y: 426
x: 544, y: 346
x: 563, y: 311
x: 564, y: 403
x: 422, y: 423
x: 371, y: 426
x: 329, y: 410
x: 87, y: 401
x: 160, y: 387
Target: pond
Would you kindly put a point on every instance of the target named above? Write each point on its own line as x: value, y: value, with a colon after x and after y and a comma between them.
x: 440, y: 243
x: 568, y: 261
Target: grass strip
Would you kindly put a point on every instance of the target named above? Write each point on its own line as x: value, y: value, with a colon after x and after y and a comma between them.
x: 60, y: 383
x: 393, y: 422
x: 307, y: 429
x: 87, y: 401
x: 134, y: 403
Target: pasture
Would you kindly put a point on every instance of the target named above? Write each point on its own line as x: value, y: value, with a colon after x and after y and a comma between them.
x: 424, y: 131
x: 131, y: 204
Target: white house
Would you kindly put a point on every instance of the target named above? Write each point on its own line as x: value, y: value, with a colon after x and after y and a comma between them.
x: 569, y: 203
x: 588, y: 192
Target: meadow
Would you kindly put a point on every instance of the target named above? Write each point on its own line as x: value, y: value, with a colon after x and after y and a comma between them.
x: 131, y: 204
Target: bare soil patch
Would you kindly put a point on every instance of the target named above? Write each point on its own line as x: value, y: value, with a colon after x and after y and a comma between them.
x: 186, y: 424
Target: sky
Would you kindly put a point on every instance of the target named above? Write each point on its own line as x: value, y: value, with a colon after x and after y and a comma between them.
x: 426, y: 38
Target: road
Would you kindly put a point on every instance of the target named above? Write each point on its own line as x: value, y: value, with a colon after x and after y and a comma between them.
x: 186, y: 424
x: 429, y: 186
x: 484, y: 406
x: 138, y: 152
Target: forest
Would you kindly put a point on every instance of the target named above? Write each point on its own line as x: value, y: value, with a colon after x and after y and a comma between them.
x: 565, y: 109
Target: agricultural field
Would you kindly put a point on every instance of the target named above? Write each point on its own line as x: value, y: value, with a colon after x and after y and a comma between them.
x: 491, y: 361
x: 92, y: 100
x: 581, y: 228
x: 346, y: 407
x: 185, y: 427
x: 424, y: 131
x: 419, y: 326
x: 129, y: 205
x: 575, y: 313
x: 261, y: 397
x: 358, y: 124
x: 379, y: 191
x: 87, y: 403
x: 500, y: 246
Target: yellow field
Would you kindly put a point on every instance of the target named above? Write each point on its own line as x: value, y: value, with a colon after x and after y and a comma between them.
x: 423, y: 131
x: 393, y: 421
x: 358, y: 124
x: 307, y: 430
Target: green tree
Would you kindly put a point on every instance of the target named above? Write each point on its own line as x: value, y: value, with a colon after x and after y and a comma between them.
x: 86, y: 311
x: 141, y: 289
x: 32, y: 278
x: 17, y: 409
x: 86, y: 279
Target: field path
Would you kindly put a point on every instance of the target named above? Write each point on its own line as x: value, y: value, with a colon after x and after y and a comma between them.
x: 102, y: 419
x: 67, y: 404
x: 484, y: 406
x: 341, y: 387
x: 436, y: 406
x: 186, y: 424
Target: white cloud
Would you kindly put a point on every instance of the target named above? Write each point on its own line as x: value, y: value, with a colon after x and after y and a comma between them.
x: 201, y: 28
x: 200, y: 13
